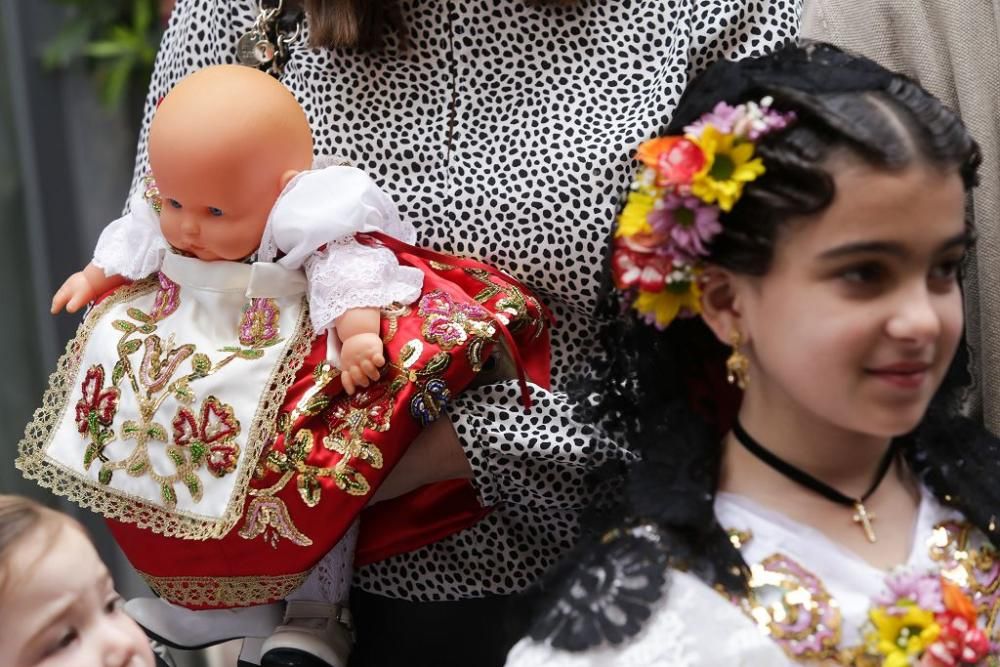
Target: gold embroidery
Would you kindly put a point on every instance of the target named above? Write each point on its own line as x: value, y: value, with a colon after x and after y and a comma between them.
x: 971, y: 563
x: 224, y: 591
x: 114, y: 503
x: 791, y: 605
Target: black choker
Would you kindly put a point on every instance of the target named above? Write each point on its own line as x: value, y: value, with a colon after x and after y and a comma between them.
x: 861, y: 515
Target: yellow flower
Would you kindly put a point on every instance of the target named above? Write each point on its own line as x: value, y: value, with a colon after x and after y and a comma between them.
x: 899, y: 638
x: 728, y: 166
x: 634, y: 217
x: 664, y: 305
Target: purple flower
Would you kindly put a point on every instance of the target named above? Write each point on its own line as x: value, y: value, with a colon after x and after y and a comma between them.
x: 723, y: 117
x: 688, y: 223
x: 910, y: 588
x: 260, y: 322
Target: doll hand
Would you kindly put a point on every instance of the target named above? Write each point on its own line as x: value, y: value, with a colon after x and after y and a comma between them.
x: 75, y: 293
x: 360, y: 358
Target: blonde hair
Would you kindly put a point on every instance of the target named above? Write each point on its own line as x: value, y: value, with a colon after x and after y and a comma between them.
x: 364, y: 24
x: 20, y: 518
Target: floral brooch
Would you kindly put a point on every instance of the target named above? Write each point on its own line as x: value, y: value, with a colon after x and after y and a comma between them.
x: 673, y: 206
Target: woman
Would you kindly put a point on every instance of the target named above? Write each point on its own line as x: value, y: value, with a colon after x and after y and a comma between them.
x: 503, y: 129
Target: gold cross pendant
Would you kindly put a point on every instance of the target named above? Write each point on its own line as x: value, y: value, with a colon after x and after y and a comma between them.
x: 863, y: 517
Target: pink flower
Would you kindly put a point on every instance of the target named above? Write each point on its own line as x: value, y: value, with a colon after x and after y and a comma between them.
x: 260, y: 322
x: 723, y: 117
x: 167, y: 299
x: 689, y: 223
x: 961, y: 642
x: 922, y: 590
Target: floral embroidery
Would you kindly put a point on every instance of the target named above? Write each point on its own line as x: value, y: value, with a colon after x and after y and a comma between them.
x: 95, y: 413
x: 268, y: 516
x: 973, y: 564
x: 259, y: 325
x: 791, y: 605
x: 156, y: 368
x: 167, y: 299
x: 210, y: 438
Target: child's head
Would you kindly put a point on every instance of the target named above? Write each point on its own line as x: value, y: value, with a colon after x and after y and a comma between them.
x: 837, y: 264
x: 222, y: 145
x: 58, y: 605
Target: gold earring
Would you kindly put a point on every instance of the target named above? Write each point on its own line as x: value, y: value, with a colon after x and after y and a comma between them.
x: 737, y: 365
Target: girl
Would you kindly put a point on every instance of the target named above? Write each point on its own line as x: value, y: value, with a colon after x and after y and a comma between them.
x: 58, y: 606
x: 815, y: 219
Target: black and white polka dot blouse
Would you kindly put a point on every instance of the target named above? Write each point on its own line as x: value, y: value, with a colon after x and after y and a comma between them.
x: 504, y: 133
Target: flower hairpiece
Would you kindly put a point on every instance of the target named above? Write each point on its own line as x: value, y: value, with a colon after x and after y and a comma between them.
x: 672, y: 212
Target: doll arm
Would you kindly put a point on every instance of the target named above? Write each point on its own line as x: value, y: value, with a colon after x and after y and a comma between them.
x: 348, y: 274
x: 361, y: 347
x: 83, y: 287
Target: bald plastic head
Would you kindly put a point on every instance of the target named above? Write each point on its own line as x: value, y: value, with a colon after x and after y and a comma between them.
x: 230, y: 118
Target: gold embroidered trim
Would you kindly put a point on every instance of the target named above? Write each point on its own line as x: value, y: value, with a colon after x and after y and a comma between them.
x: 224, y: 591
x: 116, y: 504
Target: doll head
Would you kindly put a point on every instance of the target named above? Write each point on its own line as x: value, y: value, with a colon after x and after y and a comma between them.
x: 58, y: 605
x: 222, y: 146
x: 830, y: 249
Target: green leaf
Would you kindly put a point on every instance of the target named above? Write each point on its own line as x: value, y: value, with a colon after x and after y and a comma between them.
x: 118, y: 373
x: 115, y: 82
x: 131, y: 346
x: 310, y: 490
x: 316, y: 404
x: 124, y: 326
x: 147, y: 328
x: 138, y: 469
x: 168, y: 494
x: 104, y: 477
x: 193, y: 485
x: 250, y: 354
x: 107, y: 49
x: 89, y: 455
x: 67, y: 46
x: 201, y: 364
x: 130, y: 429
x: 437, y: 364
x: 156, y: 432
x: 183, y: 393
x: 198, y: 451
x: 177, y: 456
x: 140, y: 316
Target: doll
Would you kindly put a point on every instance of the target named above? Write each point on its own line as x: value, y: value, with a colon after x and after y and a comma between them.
x: 200, y: 407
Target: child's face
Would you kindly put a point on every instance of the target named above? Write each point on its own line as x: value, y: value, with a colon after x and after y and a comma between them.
x: 59, y: 608
x: 860, y: 315
x: 216, y: 212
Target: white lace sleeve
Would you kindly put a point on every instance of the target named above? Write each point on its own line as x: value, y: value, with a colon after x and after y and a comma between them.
x: 692, y: 627
x: 132, y: 246
x: 348, y: 274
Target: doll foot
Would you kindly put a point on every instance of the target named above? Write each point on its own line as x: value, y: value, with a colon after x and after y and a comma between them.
x: 313, y: 634
x: 179, y: 627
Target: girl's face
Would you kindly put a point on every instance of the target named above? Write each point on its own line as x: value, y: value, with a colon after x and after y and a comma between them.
x: 860, y: 315
x: 59, y: 607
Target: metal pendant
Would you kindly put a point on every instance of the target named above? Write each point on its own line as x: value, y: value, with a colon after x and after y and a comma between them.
x: 254, y: 49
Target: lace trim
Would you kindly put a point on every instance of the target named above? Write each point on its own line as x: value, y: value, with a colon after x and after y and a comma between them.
x: 115, y: 504
x: 349, y: 275
x: 224, y: 591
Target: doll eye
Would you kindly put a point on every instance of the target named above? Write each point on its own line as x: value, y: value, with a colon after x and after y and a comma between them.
x: 174, y: 203
x: 215, y: 211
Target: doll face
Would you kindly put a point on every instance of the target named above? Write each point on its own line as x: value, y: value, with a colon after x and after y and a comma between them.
x: 860, y: 314
x: 59, y: 607
x: 213, y: 213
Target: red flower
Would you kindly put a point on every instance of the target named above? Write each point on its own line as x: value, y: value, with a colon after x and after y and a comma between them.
x: 961, y: 642
x: 630, y: 268
x: 97, y: 404
x: 675, y: 159
x: 210, y: 437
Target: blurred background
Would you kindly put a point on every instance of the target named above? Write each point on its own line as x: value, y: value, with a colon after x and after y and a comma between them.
x: 73, y: 78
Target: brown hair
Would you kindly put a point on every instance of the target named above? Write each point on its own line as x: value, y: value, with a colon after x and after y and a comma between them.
x: 363, y: 23
x: 19, y: 518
